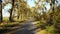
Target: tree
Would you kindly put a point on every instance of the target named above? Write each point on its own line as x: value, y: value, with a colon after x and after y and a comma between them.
x: 40, y: 7
x: 0, y: 10
x: 57, y: 20
x: 21, y: 9
x: 52, y: 5
x: 11, y: 11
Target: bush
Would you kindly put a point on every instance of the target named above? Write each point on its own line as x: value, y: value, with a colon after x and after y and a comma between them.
x: 50, y: 29
x: 42, y: 25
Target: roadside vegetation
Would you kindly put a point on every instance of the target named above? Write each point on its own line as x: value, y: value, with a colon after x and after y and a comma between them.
x: 47, y: 20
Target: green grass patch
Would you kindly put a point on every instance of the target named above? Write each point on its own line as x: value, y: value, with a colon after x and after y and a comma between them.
x: 5, y: 18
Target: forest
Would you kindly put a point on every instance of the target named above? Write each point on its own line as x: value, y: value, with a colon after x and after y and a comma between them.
x: 18, y: 17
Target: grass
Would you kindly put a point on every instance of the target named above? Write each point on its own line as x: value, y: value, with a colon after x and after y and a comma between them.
x: 5, y: 18
x: 50, y: 29
x: 42, y: 32
x: 9, y: 24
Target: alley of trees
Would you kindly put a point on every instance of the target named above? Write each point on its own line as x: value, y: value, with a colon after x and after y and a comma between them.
x: 46, y: 18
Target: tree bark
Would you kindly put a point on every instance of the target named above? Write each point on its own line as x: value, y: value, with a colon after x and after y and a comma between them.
x: 10, y: 19
x: 1, y: 11
x: 52, y: 14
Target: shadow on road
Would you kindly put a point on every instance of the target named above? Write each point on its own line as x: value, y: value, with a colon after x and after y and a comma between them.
x: 27, y: 28
x: 24, y: 28
x: 24, y: 31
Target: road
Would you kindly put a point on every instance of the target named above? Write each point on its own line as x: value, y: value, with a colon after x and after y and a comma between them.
x: 27, y: 28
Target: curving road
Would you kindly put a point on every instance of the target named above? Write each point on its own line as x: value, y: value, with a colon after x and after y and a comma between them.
x: 26, y: 28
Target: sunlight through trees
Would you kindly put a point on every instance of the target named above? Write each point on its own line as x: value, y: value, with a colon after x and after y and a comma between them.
x: 46, y: 12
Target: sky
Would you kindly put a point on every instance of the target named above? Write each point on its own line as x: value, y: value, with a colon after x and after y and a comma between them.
x: 6, y: 9
x: 30, y: 3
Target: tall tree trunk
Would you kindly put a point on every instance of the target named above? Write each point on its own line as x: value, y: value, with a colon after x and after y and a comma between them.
x: 52, y: 14
x: 52, y: 5
x: 11, y: 11
x: 0, y: 10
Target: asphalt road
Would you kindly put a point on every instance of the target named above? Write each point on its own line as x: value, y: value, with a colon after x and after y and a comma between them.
x: 26, y: 29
